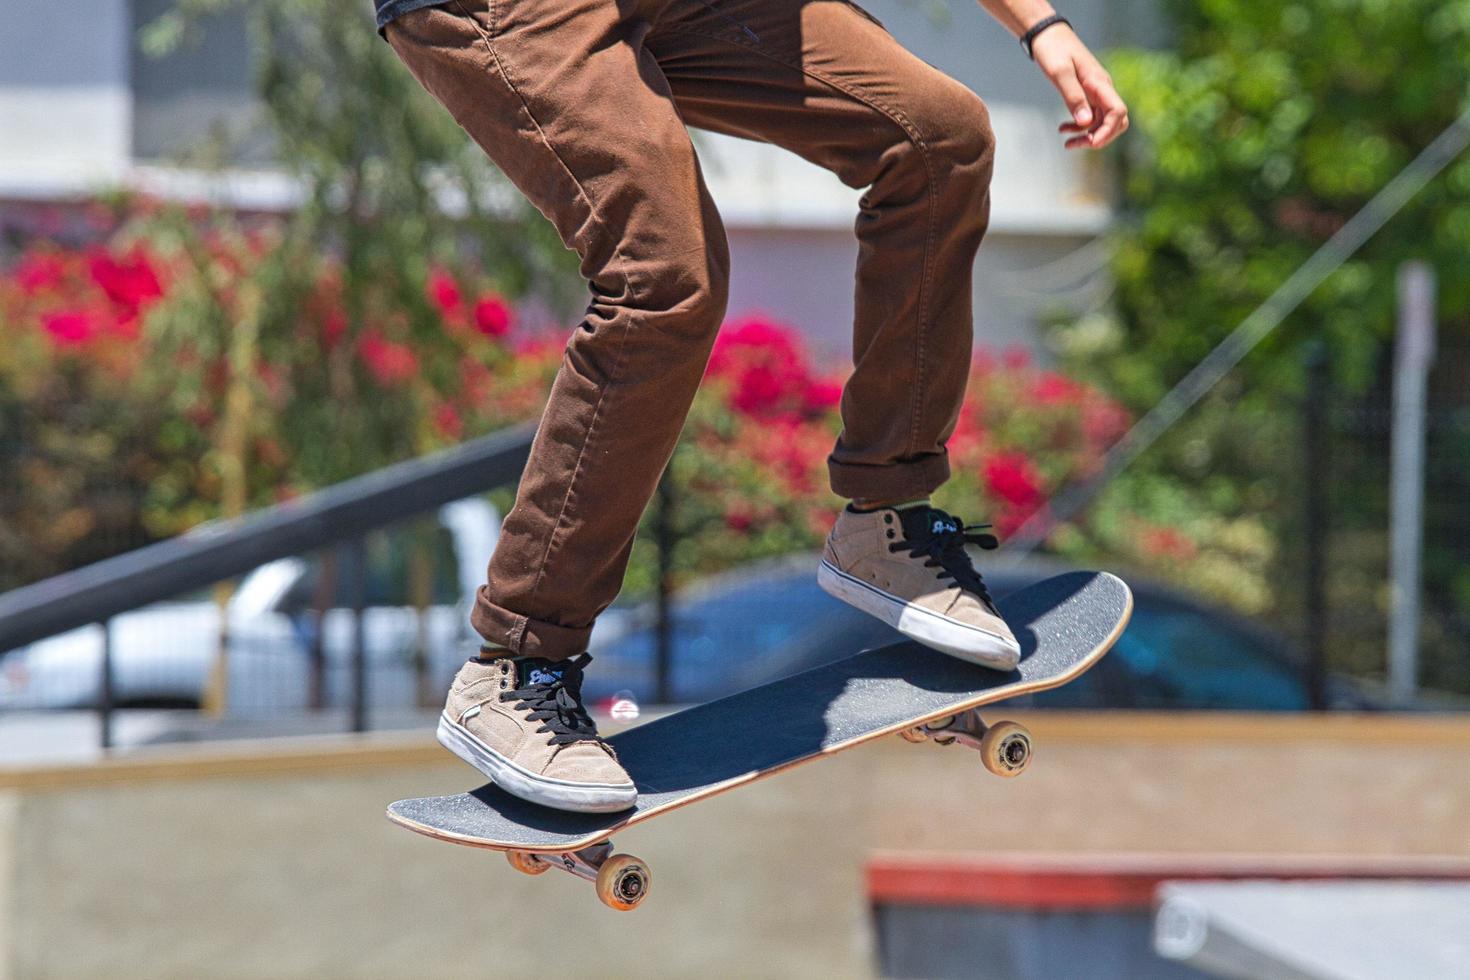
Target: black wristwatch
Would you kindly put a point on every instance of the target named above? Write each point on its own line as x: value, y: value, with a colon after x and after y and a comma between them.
x: 1037, y: 28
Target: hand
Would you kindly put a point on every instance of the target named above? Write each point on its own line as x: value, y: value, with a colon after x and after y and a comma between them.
x: 1098, y: 113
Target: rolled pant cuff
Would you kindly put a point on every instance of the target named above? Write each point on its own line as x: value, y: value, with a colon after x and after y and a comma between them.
x: 527, y: 637
x: 890, y: 481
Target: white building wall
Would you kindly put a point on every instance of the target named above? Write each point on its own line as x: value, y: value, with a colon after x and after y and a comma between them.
x: 78, y: 114
x: 65, y: 98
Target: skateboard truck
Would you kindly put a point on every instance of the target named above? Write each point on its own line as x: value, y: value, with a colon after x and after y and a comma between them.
x: 622, y: 880
x: 1005, y: 747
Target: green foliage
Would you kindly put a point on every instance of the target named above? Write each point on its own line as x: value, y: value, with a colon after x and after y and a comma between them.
x: 1256, y: 138
x: 1259, y: 133
x: 391, y: 189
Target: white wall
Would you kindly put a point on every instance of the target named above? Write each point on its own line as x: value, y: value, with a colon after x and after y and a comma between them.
x: 65, y: 103
x: 74, y: 109
x: 793, y: 252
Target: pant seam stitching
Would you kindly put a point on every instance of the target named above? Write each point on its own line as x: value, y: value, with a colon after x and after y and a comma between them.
x: 899, y: 119
x: 592, y: 426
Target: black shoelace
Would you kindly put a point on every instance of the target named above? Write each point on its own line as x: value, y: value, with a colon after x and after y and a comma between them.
x: 553, y: 693
x: 940, y: 539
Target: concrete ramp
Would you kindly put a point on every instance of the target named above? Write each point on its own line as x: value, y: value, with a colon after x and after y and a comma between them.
x: 1317, y: 930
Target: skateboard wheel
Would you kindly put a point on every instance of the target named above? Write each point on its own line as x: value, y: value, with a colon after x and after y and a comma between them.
x: 914, y: 735
x: 623, y: 882
x: 1005, y: 748
x: 527, y: 863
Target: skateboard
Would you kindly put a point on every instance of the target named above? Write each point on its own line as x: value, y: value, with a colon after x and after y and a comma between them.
x: 1064, y: 625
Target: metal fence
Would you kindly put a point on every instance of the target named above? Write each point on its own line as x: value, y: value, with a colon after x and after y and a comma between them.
x: 1333, y: 584
x: 348, y: 609
x: 350, y: 598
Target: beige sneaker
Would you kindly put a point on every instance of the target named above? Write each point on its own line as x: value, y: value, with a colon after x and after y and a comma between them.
x: 523, y: 725
x: 909, y: 568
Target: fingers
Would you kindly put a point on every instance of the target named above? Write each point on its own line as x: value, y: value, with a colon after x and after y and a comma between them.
x: 1073, y: 95
x: 1107, y: 114
x: 1098, y: 113
x: 1110, y: 110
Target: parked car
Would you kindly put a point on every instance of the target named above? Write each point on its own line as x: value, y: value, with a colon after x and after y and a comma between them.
x: 744, y: 628
x: 163, y: 655
x: 730, y: 632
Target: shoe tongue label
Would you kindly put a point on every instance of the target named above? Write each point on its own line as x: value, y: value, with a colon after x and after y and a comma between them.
x: 544, y: 675
x: 942, y: 524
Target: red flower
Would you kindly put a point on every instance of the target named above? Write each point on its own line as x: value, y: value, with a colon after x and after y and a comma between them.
x: 447, y: 421
x: 444, y: 291
x: 1166, y: 543
x: 760, y: 389
x: 71, y: 328
x: 129, y: 281
x: 1008, y: 522
x: 766, y: 367
x: 753, y: 338
x: 1104, y: 421
x: 389, y: 362
x: 1012, y: 478
x: 1050, y: 388
x: 493, y: 316
x: 534, y: 347
x: 822, y: 396
x: 39, y: 271
x: 969, y: 431
x: 1016, y: 358
x: 334, y: 325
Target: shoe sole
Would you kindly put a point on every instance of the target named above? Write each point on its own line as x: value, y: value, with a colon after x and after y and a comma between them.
x: 560, y: 794
x: 934, y: 630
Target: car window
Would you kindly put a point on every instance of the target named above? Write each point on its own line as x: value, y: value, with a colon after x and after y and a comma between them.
x: 1175, y: 657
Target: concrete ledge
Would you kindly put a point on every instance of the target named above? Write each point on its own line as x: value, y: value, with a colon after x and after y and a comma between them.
x: 1117, y: 881
x: 257, y: 757
x: 273, y: 858
x: 327, y: 753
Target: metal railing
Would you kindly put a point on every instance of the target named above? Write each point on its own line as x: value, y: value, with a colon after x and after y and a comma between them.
x: 341, y: 514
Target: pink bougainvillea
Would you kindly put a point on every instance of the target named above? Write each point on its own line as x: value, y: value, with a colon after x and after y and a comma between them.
x: 1013, y: 479
x: 39, y: 271
x: 444, y: 291
x: 494, y: 316
x: 129, y: 280
x: 752, y: 467
x: 390, y: 362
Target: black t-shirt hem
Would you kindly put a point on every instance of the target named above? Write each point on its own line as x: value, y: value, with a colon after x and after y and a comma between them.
x: 388, y: 10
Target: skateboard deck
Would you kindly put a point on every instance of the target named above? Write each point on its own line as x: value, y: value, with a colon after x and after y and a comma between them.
x: 1064, y: 625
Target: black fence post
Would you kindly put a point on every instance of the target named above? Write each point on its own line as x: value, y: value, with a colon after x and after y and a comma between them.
x: 663, y: 628
x: 356, y: 561
x: 322, y: 602
x: 106, y: 694
x: 1318, y: 486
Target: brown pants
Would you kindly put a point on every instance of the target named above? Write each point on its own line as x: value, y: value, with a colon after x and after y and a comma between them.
x: 583, y: 104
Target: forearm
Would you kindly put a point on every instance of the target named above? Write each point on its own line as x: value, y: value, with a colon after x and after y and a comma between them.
x: 1017, y: 16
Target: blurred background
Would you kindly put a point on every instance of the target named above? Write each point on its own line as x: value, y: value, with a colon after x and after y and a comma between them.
x: 273, y: 340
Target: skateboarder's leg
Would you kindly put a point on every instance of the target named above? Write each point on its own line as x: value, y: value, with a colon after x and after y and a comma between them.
x: 825, y: 80
x: 821, y: 78
x: 566, y: 99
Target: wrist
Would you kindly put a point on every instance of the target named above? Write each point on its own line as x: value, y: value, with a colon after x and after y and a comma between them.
x: 1049, y: 22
